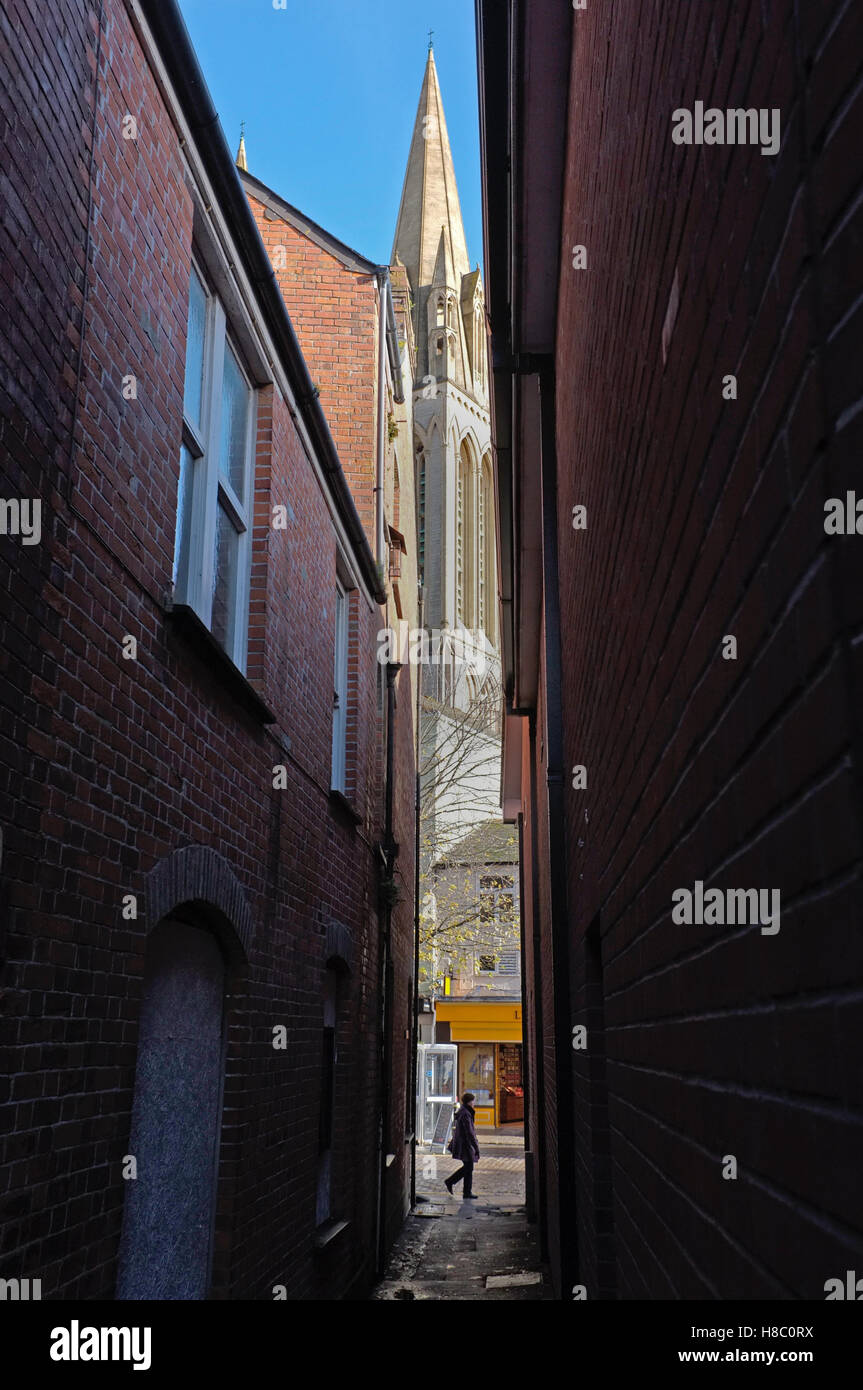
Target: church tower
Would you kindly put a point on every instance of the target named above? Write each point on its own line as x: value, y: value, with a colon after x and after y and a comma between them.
x: 452, y: 424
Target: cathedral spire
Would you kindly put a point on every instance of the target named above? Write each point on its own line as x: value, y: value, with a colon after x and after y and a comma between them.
x: 241, y: 160
x: 430, y: 196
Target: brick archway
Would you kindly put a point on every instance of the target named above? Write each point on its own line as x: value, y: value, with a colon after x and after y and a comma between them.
x: 199, y: 932
x: 197, y: 879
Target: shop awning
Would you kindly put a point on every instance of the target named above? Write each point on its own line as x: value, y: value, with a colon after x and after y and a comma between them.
x: 473, y: 1020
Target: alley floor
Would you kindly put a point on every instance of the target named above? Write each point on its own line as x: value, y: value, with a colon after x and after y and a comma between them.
x: 451, y: 1249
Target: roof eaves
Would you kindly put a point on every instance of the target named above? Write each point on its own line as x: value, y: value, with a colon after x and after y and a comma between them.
x: 303, y: 224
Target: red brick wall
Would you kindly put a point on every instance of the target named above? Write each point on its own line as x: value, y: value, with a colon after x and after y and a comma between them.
x: 705, y: 518
x: 112, y: 765
x: 334, y: 311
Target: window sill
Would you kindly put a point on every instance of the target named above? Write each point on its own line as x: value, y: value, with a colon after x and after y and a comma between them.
x: 329, y: 1232
x: 204, y: 645
x: 340, y: 802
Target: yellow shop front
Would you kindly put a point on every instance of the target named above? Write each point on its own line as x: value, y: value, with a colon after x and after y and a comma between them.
x: 489, y: 1041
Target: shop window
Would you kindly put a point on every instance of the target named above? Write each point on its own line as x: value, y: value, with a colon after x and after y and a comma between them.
x: 476, y: 1064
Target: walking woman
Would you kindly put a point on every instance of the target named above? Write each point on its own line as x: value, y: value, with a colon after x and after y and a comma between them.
x: 464, y: 1146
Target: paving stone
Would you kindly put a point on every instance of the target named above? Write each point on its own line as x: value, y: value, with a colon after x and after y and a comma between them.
x: 519, y: 1280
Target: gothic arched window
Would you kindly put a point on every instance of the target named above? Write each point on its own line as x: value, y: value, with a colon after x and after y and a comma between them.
x: 421, y: 507
x: 465, y: 538
x: 486, y: 550
x: 478, y: 355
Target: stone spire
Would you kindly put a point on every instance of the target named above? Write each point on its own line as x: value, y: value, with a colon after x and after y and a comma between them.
x: 241, y: 160
x: 430, y: 196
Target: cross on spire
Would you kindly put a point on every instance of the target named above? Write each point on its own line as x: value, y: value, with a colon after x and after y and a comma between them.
x: 431, y: 39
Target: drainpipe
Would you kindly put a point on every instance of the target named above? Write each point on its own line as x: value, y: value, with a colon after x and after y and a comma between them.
x: 384, y: 849
x: 389, y: 853
x: 418, y: 808
x: 541, y: 1175
x: 556, y: 803
x: 382, y: 279
x: 527, y: 1095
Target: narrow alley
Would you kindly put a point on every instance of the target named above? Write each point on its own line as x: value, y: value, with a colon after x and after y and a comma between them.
x: 454, y: 1249
x: 431, y: 670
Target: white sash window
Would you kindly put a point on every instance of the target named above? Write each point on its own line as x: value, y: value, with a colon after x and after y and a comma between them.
x: 212, y: 552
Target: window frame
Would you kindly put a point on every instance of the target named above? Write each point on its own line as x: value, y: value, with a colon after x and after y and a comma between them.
x: 492, y: 890
x: 339, y: 762
x: 195, y: 568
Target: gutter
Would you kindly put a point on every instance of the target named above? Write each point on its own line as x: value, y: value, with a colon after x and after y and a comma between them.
x: 388, y: 345
x: 393, y: 343
x: 181, y: 64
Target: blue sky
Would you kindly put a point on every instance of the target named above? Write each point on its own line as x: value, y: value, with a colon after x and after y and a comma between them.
x: 329, y: 89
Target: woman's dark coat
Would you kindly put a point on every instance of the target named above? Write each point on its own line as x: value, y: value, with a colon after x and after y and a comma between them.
x: 464, y: 1145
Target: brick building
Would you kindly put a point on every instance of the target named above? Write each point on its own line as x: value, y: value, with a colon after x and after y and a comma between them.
x: 204, y: 976
x: 479, y: 1003
x: 353, y: 323
x: 676, y: 336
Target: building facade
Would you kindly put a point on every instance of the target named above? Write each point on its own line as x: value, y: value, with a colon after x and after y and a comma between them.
x: 452, y: 428
x: 673, y: 329
x: 476, y: 889
x: 461, y: 704
x: 207, y: 981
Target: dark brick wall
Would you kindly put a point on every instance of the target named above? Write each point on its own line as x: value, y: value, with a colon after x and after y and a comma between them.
x: 705, y: 518
x: 402, y: 1116
x: 110, y: 766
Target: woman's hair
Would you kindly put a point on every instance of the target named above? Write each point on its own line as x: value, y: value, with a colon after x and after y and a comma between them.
x: 468, y: 1097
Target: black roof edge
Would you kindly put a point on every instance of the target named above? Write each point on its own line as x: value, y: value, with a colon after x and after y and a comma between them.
x: 171, y: 36
x: 303, y: 223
